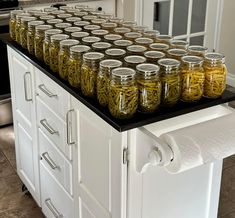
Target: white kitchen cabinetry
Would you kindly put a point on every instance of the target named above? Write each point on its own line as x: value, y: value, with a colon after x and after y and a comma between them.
x: 23, y: 99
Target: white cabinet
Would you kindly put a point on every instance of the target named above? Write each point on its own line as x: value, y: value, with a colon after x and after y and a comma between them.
x: 23, y: 99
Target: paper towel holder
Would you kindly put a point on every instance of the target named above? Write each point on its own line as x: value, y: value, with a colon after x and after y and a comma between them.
x: 151, y: 151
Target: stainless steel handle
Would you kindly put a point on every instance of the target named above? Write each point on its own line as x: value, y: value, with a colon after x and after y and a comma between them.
x: 69, y: 128
x: 48, y: 127
x: 43, y: 88
x: 52, y: 208
x: 48, y: 159
x: 25, y: 88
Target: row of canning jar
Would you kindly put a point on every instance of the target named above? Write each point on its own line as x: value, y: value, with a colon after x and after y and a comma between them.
x: 192, y: 78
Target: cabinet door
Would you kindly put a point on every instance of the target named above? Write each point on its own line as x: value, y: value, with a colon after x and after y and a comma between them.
x: 23, y: 102
x: 101, y: 173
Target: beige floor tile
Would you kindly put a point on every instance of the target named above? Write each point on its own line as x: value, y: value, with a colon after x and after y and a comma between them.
x: 5, y: 167
x: 226, y: 207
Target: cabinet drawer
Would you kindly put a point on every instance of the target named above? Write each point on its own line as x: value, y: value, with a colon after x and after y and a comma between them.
x: 54, y: 127
x: 55, y: 162
x: 55, y: 200
x: 52, y: 94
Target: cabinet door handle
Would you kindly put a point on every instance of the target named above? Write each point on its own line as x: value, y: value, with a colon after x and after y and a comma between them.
x: 44, y: 89
x: 69, y: 128
x: 48, y: 159
x: 52, y: 208
x: 48, y: 127
x: 27, y: 98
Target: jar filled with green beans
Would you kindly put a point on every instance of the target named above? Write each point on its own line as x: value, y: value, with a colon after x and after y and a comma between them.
x: 53, y: 22
x: 116, y: 20
x: 133, y: 60
x: 171, y: 81
x: 176, y: 53
x: 62, y: 26
x: 64, y: 16
x: 197, y: 50
x: 18, y: 25
x: 91, y: 27
x: 12, y: 23
x: 89, y: 40
x: 75, y: 64
x: 31, y: 34
x: 136, y: 50
x: 90, y: 69
x: 132, y: 36
x: 144, y: 41
x: 38, y: 40
x: 54, y: 50
x: 64, y: 55
x: 121, y: 30
x: 152, y: 34
x: 181, y: 44
x: 140, y: 29
x: 79, y: 35
x: 154, y: 56
x: 45, y: 18
x: 112, y: 37
x: 159, y: 47
x: 109, y: 26
x: 123, y: 93
x: 100, y: 46
x: 81, y: 24
x: 164, y: 39
x: 149, y: 87
x: 72, y: 20
x: 122, y: 44
x: 129, y: 24
x: 46, y: 44
x: 115, y: 53
x: 72, y: 29
x: 103, y: 79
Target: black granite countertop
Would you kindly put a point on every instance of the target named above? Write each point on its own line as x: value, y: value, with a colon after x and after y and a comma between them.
x: 139, y: 119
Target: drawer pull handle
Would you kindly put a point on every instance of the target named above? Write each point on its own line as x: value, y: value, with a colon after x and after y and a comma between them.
x: 43, y: 88
x: 69, y: 128
x: 52, y: 208
x: 27, y: 98
x: 48, y: 159
x: 48, y: 127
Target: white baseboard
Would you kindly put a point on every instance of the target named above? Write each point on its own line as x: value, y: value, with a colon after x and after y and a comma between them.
x: 231, y: 79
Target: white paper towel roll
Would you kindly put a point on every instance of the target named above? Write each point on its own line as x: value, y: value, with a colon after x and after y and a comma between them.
x: 201, y: 143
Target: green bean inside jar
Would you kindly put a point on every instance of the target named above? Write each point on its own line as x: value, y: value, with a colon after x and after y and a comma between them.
x: 133, y: 60
x: 24, y: 30
x: 38, y: 40
x: 12, y: 23
x: 149, y: 86
x: 18, y: 25
x: 54, y: 50
x: 123, y: 93
x: 90, y: 69
x: 103, y: 79
x: 46, y: 44
x: 75, y: 64
x: 64, y: 54
x: 31, y: 34
x: 171, y: 81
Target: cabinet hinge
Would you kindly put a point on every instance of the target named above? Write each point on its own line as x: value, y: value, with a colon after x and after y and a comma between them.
x: 125, y: 156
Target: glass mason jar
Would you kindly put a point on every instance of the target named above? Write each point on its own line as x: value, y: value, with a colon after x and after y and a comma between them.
x: 171, y: 81
x: 144, y: 41
x: 12, y: 23
x: 133, y: 60
x: 112, y: 37
x: 18, y: 25
x: 121, y: 30
x: 46, y: 44
x: 72, y: 29
x: 215, y: 75
x: 65, y: 7
x: 193, y: 78
x: 116, y: 20
x: 115, y: 53
x: 149, y: 86
x: 89, y: 40
x: 159, y: 47
x: 103, y: 79
x: 100, y: 46
x: 33, y: 11
x: 181, y: 44
x: 99, y: 33
x: 38, y: 14
x: 62, y: 26
x: 90, y: 69
x: 50, y: 9
x: 64, y: 16
x: 197, y: 50
x: 75, y: 64
x: 81, y: 24
x: 64, y: 55
x: 109, y: 26
x: 164, y: 39
x: 152, y: 34
x: 90, y: 28
x: 72, y: 20
x: 80, y: 14
x: 154, y: 56
x: 54, y: 50
x: 38, y: 40
x: 97, y: 13
x: 98, y: 21
x: 24, y: 30
x: 72, y: 11
x: 53, y: 22
x: 129, y: 24
x: 79, y: 35
x: 45, y: 18
x: 136, y: 50
x: 57, y: 12
x: 89, y: 18
x: 31, y: 34
x: 123, y: 93
x: 176, y: 53
x: 140, y: 29
x: 122, y: 44
x: 132, y: 36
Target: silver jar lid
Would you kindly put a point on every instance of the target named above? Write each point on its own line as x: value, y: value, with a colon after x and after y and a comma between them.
x: 54, y: 21
x: 72, y: 29
x: 214, y: 57
x: 79, y: 49
x: 64, y: 16
x: 82, y: 23
x: 72, y: 19
x: 101, y: 45
x: 99, y: 32
x: 169, y: 64
x: 65, y: 7
x: 116, y: 20
x: 123, y: 73
x: 197, y: 48
x: 133, y: 35
x: 68, y: 42
x: 180, y: 43
x: 151, y: 33
x: 91, y: 39
x: 147, y: 69
x: 136, y: 48
x: 129, y: 24
x: 63, y: 25
x: 47, y: 17
x: 110, y: 64
x: 154, y: 54
x: 98, y: 21
x: 57, y: 12
x: 51, y: 32
x: 39, y: 14
x: 79, y: 35
x: 35, y: 23
x: 106, y: 16
x: 89, y: 17
x: 43, y: 27
x: 59, y: 37
x: 159, y: 46
x: 122, y: 30
x: 91, y: 27
x: 123, y: 43
x: 93, y: 56
x: 140, y: 29
x: 164, y: 37
x: 177, y: 52
x: 109, y: 25
x: 192, y: 60
x: 27, y: 19
x: 81, y: 6
x: 112, y: 37
x: 80, y: 13
x: 144, y: 41
x: 115, y: 52
x: 135, y: 59
x: 50, y: 9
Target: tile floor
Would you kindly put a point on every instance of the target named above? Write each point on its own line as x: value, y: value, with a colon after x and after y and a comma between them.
x: 15, y: 204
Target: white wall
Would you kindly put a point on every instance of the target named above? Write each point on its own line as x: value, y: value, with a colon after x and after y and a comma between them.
x: 227, y: 38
